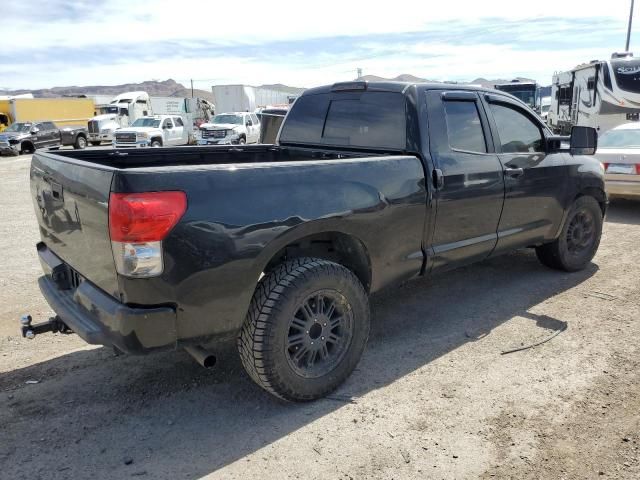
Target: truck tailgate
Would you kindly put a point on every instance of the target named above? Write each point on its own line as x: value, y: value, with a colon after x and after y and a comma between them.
x: 71, y: 202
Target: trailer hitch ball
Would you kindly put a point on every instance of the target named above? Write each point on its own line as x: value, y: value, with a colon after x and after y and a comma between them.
x: 25, y: 321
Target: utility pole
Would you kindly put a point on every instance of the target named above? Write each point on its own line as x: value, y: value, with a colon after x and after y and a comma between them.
x: 192, y: 82
x: 359, y: 73
x: 629, y: 27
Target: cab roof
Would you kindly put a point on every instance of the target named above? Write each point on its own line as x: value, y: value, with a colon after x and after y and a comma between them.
x: 392, y: 86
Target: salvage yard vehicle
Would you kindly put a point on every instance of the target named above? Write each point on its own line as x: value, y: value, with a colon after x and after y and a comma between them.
x: 123, y: 110
x: 601, y: 94
x: 230, y: 128
x: 619, y: 152
x: 278, y: 247
x: 27, y: 137
x: 156, y: 131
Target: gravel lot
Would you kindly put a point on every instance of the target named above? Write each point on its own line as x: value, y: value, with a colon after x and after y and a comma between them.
x: 432, y: 398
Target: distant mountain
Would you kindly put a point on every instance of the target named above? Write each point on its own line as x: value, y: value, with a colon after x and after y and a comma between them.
x: 155, y: 88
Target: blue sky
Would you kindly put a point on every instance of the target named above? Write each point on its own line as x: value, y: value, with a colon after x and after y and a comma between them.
x: 77, y: 42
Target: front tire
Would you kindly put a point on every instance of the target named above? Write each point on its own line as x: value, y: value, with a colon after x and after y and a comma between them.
x: 306, y: 329
x: 155, y: 143
x: 579, y: 239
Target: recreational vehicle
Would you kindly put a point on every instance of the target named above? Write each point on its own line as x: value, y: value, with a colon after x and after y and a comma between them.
x: 601, y: 94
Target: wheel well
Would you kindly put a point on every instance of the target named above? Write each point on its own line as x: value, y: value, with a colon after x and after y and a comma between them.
x: 596, y: 193
x: 153, y: 139
x: 81, y: 134
x: 334, y: 246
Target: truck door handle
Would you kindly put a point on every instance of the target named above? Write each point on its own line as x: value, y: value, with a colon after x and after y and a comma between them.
x: 438, y: 178
x: 513, y: 172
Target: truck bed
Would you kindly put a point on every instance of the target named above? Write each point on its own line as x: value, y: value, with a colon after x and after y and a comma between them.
x: 213, y: 155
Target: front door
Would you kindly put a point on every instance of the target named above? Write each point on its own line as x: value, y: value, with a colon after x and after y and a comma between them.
x: 167, y: 130
x: 534, y: 179
x: 470, y: 194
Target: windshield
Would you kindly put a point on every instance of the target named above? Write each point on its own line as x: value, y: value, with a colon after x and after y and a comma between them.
x: 627, y: 73
x: 620, y: 139
x: 146, y: 122
x: 19, y: 127
x: 227, y: 118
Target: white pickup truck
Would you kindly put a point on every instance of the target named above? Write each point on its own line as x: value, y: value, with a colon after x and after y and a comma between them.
x: 156, y: 131
x: 230, y: 128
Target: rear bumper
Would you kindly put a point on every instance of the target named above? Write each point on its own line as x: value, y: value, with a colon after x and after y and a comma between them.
x: 100, y: 319
x: 623, y: 185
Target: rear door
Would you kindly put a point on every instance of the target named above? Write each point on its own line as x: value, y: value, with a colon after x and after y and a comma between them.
x: 471, y: 186
x: 53, y: 134
x: 180, y: 131
x: 534, y: 179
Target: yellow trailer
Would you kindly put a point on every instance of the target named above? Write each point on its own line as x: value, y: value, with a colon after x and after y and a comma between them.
x: 61, y: 111
x: 4, y: 114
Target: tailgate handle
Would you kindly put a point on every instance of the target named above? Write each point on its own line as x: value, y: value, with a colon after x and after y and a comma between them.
x: 56, y: 190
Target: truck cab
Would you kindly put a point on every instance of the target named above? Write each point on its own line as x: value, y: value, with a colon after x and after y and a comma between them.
x: 123, y: 110
x: 156, y: 131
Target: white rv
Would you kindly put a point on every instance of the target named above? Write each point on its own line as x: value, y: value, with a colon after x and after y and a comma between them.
x: 601, y: 94
x: 123, y: 110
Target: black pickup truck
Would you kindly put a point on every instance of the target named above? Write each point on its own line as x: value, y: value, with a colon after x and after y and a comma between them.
x: 277, y: 247
x: 27, y: 137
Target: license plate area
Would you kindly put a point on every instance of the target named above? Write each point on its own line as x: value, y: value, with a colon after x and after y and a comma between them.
x: 621, y: 168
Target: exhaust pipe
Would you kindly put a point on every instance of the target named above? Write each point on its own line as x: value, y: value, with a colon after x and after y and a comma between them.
x: 201, y: 355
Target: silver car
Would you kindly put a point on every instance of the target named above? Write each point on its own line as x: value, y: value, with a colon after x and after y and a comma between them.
x: 619, y: 151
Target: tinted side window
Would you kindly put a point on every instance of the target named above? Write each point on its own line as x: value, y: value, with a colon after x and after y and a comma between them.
x: 517, y: 132
x: 47, y: 126
x: 254, y: 118
x: 179, y: 122
x: 464, y: 127
x: 168, y: 124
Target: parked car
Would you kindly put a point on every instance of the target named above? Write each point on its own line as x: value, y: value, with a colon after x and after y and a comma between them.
x: 156, y: 131
x: 619, y: 151
x: 230, y: 128
x: 279, y: 247
x: 28, y: 136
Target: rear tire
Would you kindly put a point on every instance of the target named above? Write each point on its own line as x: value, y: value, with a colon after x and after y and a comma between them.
x: 306, y: 329
x: 579, y: 239
x: 81, y: 143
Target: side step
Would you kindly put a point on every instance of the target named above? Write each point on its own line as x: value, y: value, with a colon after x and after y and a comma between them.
x: 54, y: 325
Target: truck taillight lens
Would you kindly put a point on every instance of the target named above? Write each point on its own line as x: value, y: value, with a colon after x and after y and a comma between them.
x: 138, y: 222
x: 637, y: 168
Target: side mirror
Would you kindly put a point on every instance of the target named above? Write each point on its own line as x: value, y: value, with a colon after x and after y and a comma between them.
x: 584, y: 141
x: 34, y: 130
x: 249, y: 123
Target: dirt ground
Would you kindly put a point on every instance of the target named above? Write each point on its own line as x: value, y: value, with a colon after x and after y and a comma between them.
x: 432, y: 398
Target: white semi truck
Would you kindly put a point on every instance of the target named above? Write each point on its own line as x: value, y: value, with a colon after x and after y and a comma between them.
x: 601, y: 94
x: 123, y: 110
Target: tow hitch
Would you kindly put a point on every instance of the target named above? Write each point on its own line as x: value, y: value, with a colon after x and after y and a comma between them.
x: 54, y: 325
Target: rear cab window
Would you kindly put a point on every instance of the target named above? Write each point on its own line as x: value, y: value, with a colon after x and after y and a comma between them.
x: 374, y: 120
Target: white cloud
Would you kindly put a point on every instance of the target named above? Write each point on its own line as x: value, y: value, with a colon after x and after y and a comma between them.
x: 134, y: 26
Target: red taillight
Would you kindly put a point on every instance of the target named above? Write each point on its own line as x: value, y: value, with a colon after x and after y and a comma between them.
x: 144, y: 217
x: 605, y: 165
x: 637, y: 168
